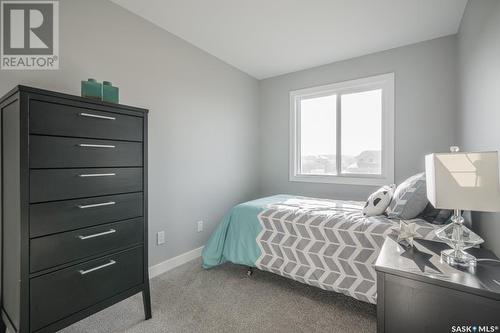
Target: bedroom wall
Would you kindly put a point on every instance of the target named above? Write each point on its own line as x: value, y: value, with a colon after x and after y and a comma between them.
x: 203, y: 114
x: 425, y: 109
x: 479, y: 67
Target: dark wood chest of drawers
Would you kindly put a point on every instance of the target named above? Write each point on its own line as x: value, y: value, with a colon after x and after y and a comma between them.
x: 74, y: 208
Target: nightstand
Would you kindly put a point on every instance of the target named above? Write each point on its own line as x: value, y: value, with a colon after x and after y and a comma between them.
x: 416, y: 292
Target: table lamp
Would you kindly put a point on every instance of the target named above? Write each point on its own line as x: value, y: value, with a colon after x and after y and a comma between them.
x: 462, y: 181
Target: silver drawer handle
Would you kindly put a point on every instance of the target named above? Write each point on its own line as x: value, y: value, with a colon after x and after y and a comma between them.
x: 109, y: 203
x: 90, y: 115
x: 95, y: 146
x: 110, y: 231
x: 97, y: 174
x: 83, y: 272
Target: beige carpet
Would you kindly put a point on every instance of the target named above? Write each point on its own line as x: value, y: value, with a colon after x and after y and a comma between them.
x: 223, y: 299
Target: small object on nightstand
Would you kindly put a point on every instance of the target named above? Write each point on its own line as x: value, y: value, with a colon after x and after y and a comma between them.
x: 91, y: 89
x: 417, y: 292
x: 109, y: 93
x: 407, y: 231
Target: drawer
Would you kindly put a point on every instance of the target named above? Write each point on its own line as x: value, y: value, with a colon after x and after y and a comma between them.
x: 66, y: 120
x: 60, y: 184
x: 50, y: 251
x: 59, y: 294
x: 60, y: 152
x: 53, y: 217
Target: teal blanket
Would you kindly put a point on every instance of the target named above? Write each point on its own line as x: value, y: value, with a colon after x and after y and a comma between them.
x: 234, y: 239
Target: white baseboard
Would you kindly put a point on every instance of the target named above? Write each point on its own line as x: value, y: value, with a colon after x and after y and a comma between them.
x: 174, y: 262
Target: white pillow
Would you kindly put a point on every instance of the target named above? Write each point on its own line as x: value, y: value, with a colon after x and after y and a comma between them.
x: 378, y: 201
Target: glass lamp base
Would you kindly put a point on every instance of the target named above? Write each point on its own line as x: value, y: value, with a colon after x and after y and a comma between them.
x: 459, y: 238
x: 458, y: 258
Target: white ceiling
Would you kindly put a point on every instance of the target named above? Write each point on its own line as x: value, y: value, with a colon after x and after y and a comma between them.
x: 266, y: 38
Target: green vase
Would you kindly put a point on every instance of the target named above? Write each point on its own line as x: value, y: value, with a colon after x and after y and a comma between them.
x: 109, y: 93
x: 91, y: 89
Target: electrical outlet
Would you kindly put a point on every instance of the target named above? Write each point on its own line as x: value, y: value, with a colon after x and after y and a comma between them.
x: 200, y: 226
x: 160, y: 237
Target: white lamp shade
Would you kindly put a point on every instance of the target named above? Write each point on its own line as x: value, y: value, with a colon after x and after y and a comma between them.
x: 467, y: 181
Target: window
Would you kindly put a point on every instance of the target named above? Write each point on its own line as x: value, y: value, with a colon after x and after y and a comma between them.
x: 343, y: 132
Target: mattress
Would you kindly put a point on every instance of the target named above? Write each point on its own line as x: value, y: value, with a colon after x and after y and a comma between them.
x: 329, y: 244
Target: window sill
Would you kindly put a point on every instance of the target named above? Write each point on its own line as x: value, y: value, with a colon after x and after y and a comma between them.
x: 346, y: 180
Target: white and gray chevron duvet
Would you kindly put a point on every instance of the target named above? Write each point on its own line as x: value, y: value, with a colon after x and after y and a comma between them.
x: 326, y: 243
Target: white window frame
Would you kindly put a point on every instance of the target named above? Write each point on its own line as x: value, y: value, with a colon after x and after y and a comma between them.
x: 385, y: 82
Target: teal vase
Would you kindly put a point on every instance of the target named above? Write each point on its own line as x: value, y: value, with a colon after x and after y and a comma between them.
x: 109, y: 93
x: 91, y: 89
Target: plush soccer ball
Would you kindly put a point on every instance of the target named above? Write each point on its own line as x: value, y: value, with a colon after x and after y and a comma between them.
x: 379, y: 200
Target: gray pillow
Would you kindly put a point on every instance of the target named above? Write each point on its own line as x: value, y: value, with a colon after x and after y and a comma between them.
x: 435, y: 216
x: 410, y: 198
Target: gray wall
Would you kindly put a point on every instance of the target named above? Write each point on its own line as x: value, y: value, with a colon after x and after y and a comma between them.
x: 203, y: 114
x: 425, y: 110
x: 479, y: 68
x: 204, y: 154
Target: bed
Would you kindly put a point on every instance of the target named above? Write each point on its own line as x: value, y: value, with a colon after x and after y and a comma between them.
x: 329, y: 244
